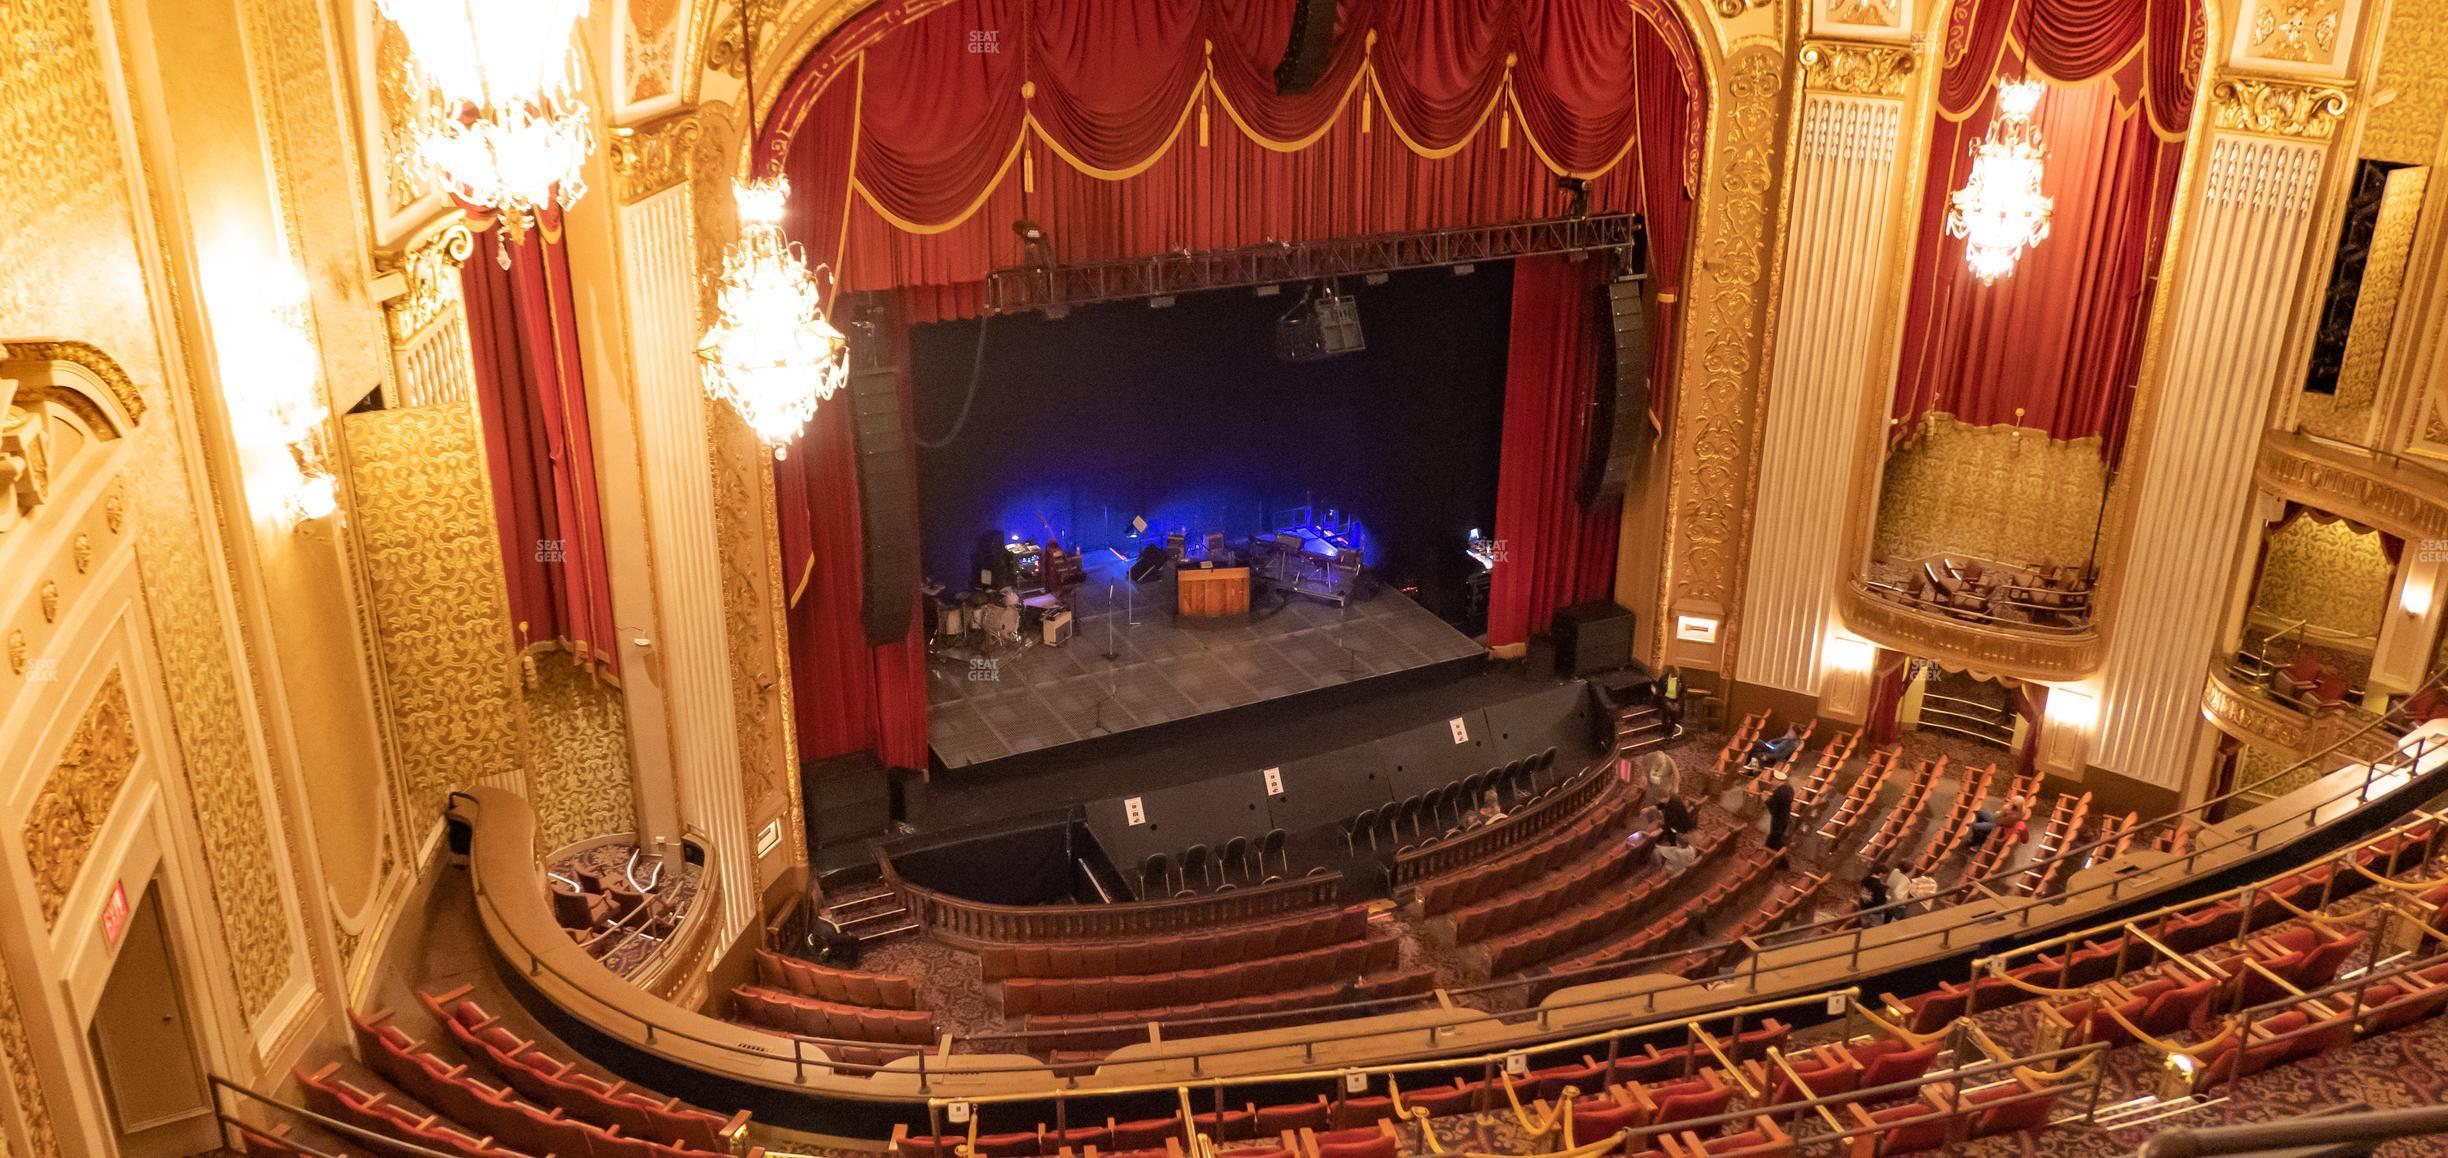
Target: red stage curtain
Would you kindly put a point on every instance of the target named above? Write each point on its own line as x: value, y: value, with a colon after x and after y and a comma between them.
x: 2058, y: 339
x: 2030, y: 703
x: 531, y: 399
x: 1887, y: 679
x: 921, y: 131
x: 848, y: 696
x: 1555, y: 552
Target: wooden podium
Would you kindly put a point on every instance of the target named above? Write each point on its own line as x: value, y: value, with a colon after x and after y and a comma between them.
x: 1211, y: 592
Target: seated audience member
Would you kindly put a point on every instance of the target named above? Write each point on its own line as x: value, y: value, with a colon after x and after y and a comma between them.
x: 1924, y: 893
x: 1665, y: 777
x: 1983, y: 823
x: 2013, y: 817
x: 1874, y: 898
x: 1490, y: 811
x: 1675, y: 816
x: 1770, y: 753
x: 1900, y: 888
x: 1674, y: 856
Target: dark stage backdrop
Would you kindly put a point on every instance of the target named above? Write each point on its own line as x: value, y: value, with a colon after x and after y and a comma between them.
x: 1185, y: 416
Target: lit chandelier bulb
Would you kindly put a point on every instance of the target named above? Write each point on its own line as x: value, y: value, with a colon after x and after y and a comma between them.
x: 771, y: 355
x: 2000, y: 211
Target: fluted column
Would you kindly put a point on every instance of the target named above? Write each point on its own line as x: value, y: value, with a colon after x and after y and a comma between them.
x: 2201, y: 416
x: 659, y: 246
x: 1840, y: 232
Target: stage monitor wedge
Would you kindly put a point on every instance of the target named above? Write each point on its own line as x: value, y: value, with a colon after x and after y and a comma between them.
x: 1310, y: 47
x: 1619, y: 421
x: 888, y: 486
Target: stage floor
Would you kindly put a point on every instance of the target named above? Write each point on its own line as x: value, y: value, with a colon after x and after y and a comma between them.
x: 1011, y: 701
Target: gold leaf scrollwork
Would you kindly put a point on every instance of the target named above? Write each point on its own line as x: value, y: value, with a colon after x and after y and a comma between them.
x: 17, y: 656
x: 48, y: 597
x: 114, y: 377
x: 76, y: 797
x: 431, y: 267
x: 80, y: 552
x: 1733, y: 8
x: 655, y: 157
x: 2280, y: 108
x: 1709, y: 507
x: 1860, y: 69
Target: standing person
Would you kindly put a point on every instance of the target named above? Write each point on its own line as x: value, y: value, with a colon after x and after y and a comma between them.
x: 1780, y: 810
x: 1670, y: 698
x: 1664, y: 776
x: 1900, y: 888
x: 1674, y: 816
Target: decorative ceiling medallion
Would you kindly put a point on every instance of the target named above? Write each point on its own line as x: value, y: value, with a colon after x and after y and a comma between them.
x: 1846, y: 66
x: 2280, y: 108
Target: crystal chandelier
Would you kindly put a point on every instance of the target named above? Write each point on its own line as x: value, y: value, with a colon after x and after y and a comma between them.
x: 503, y: 130
x: 2001, y: 211
x: 770, y: 353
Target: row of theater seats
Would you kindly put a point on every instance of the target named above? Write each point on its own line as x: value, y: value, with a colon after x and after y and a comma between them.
x: 1166, y: 954
x: 1563, y: 887
x: 1957, y: 822
x: 1256, y: 978
x: 1112, y: 1030
x: 1597, y: 921
x: 1783, y: 903
x: 839, y: 986
x: 2304, y: 955
x: 2313, y: 1027
x: 791, y: 1013
x: 1754, y: 866
x: 561, y: 1086
x: 1486, y: 881
x: 536, y: 1110
x: 1905, y: 817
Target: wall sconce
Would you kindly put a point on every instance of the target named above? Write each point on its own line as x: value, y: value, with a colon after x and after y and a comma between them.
x: 272, y: 376
x: 2414, y: 598
x: 1850, y: 653
x: 2072, y: 709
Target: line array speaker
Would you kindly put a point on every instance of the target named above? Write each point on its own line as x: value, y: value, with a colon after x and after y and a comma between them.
x: 1619, y: 420
x: 1311, y: 44
x: 888, y: 490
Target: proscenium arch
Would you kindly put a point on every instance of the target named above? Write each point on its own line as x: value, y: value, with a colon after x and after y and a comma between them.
x: 803, y: 28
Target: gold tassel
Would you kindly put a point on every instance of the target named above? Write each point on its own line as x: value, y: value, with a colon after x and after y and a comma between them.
x: 1365, y: 107
x: 1202, y: 120
x: 1504, y: 130
x: 1028, y: 169
x: 527, y: 664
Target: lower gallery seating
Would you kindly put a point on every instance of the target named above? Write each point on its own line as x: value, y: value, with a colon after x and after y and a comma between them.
x: 2024, y: 1048
x: 509, y: 1097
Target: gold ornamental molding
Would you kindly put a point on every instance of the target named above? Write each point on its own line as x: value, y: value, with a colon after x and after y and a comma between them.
x: 2407, y: 502
x: 76, y: 797
x: 2278, y: 108
x: 1846, y: 66
x: 1733, y: 8
x: 90, y: 358
x: 431, y: 267
x: 651, y: 158
x: 2249, y: 716
x: 2241, y: 711
x: 1959, y: 644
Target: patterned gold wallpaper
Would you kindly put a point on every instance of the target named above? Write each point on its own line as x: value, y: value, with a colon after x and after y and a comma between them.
x: 578, y: 767
x: 2329, y: 574
x: 1985, y: 491
x: 2347, y: 414
x: 425, y: 523
x: 77, y: 796
x: 2407, y: 128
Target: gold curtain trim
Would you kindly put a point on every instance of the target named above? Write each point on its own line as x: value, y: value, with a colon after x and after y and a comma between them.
x: 1360, y: 77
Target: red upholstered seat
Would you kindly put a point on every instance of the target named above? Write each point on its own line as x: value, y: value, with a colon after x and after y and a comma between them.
x: 1689, y: 1100
x: 2010, y: 1108
x: 1235, y: 1125
x: 1273, y: 1120
x: 1355, y: 1113
x: 1382, y: 1146
x: 1440, y: 1101
x: 1911, y: 1128
x: 1018, y: 1144
x: 1597, y: 1117
x: 1146, y: 1133
x: 1887, y: 1061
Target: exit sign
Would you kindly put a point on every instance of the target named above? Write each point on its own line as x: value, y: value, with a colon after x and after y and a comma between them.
x: 115, y: 915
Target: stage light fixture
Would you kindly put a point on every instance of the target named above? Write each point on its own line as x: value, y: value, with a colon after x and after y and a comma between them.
x: 1160, y: 301
x: 1268, y: 291
x: 1374, y: 279
x: 1576, y: 193
x: 1465, y: 269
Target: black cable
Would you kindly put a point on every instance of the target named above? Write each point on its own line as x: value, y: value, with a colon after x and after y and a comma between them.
x: 977, y: 367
